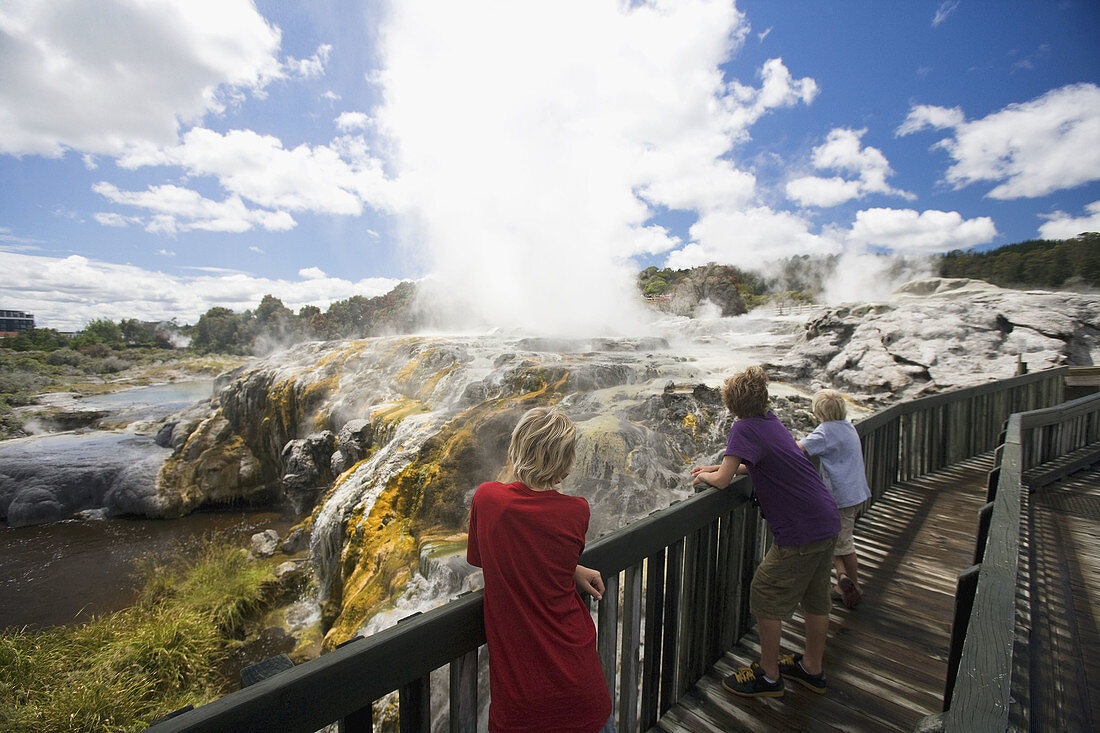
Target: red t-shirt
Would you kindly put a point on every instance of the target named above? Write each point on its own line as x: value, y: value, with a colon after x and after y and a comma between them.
x: 544, y: 673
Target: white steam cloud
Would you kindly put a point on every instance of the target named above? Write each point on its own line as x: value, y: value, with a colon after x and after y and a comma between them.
x: 535, y: 141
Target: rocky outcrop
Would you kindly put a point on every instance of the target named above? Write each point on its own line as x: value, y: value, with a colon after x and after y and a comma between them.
x: 942, y: 334
x: 107, y: 472
x: 714, y: 284
x: 308, y: 469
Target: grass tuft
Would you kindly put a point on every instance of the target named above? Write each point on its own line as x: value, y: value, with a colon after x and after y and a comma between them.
x: 121, y: 671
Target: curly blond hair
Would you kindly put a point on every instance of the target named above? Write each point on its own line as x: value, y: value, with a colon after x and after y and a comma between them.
x: 746, y: 393
x: 543, y: 447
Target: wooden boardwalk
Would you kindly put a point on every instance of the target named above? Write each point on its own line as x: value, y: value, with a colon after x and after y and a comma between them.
x: 886, y: 660
x: 1064, y: 556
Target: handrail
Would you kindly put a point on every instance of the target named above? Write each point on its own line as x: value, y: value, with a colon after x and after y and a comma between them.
x: 978, y: 695
x: 676, y: 596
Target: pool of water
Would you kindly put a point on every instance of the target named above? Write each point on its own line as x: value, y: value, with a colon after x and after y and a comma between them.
x: 67, y: 572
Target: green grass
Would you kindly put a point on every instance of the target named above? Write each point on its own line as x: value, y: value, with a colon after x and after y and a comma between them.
x: 121, y: 671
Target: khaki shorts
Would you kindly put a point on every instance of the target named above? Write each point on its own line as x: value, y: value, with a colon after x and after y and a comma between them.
x: 845, y: 544
x: 790, y: 575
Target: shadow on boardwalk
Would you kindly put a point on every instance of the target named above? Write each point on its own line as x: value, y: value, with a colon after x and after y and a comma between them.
x: 886, y: 660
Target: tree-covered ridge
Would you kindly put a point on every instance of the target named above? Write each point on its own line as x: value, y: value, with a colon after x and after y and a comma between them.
x: 1036, y: 263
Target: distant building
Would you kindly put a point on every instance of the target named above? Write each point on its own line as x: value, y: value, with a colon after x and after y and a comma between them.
x: 13, y: 322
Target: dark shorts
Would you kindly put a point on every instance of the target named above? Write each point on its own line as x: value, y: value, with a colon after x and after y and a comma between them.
x: 790, y: 575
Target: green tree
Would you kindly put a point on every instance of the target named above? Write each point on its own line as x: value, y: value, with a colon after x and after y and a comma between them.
x: 220, y: 330
x: 102, y: 331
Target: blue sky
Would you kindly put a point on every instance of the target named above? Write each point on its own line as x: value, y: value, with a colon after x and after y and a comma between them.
x: 163, y: 157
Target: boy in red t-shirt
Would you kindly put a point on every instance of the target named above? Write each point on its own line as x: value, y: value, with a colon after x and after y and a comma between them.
x: 544, y: 673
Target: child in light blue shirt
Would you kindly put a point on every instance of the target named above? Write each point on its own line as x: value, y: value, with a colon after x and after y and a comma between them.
x: 837, y: 444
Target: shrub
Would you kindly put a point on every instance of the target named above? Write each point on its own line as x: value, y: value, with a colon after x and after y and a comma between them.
x: 109, y: 365
x: 65, y: 357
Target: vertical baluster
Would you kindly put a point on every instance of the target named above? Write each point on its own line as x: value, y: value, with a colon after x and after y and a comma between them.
x: 670, y: 652
x: 414, y: 705
x: 607, y: 631
x: 463, y: 695
x: 654, y: 624
x: 632, y: 623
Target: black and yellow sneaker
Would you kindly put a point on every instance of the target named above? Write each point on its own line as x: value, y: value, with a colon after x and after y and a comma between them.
x: 790, y: 666
x: 750, y: 682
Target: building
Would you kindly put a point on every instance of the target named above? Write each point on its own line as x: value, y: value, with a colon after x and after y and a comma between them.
x: 13, y: 322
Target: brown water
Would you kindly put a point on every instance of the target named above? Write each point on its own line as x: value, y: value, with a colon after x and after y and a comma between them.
x: 67, y: 572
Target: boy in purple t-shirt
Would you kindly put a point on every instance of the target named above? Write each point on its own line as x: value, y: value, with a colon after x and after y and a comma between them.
x: 804, y: 521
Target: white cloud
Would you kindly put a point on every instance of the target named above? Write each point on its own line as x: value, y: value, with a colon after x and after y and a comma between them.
x: 255, y: 249
x: 1032, y: 149
x: 348, y: 121
x: 945, y: 9
x: 844, y: 151
x: 111, y: 219
x: 312, y: 273
x: 331, y: 96
x: 67, y: 293
x: 1061, y: 225
x: 309, y: 68
x: 177, y: 209
x: 751, y: 237
x: 927, y: 116
x: 100, y: 77
x: 330, y: 179
x: 910, y: 232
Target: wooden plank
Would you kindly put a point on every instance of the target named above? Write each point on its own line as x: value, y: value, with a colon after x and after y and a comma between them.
x: 911, y: 546
x: 414, y: 704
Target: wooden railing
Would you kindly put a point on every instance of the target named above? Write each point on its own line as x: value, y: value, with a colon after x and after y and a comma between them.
x: 676, y: 597
x: 988, y: 644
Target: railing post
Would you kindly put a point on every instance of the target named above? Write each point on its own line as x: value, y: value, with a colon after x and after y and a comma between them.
x: 965, y: 588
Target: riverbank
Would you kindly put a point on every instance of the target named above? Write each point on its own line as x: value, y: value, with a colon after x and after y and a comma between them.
x: 42, y: 391
x: 123, y: 670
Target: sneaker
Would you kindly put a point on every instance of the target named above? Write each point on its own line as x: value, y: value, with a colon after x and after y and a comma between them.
x: 750, y: 682
x: 851, y: 594
x: 790, y: 666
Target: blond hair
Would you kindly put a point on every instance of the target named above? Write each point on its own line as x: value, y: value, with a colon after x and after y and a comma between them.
x: 543, y: 447
x: 829, y: 405
x: 746, y: 393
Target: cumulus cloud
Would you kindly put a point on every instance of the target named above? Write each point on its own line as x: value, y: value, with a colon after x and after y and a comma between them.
x: 67, y: 293
x: 1061, y: 225
x: 751, y: 237
x: 348, y: 121
x: 330, y: 179
x: 911, y: 232
x: 91, y: 76
x: 928, y: 116
x: 1031, y: 149
x: 843, y: 150
x: 309, y: 68
x: 175, y: 209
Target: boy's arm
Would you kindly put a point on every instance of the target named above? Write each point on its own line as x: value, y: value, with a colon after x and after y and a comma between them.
x: 589, y: 581
x: 721, y: 475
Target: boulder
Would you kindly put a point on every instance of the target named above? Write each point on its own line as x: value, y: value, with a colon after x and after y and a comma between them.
x: 265, y: 543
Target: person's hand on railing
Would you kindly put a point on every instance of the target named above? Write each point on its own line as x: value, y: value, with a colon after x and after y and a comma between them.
x: 589, y: 581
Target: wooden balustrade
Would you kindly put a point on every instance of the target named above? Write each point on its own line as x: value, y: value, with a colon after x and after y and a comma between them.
x: 989, y: 640
x: 677, y: 592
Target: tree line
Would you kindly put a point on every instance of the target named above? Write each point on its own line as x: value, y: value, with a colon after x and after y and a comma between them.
x: 1036, y: 263
x: 271, y: 325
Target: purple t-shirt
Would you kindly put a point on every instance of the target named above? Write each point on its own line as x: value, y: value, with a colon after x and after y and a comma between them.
x: 792, y: 496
